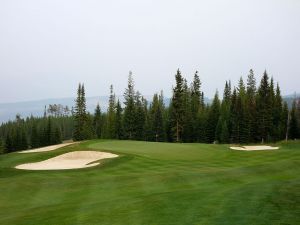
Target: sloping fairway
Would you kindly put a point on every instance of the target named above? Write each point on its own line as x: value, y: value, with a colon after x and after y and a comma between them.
x: 156, y: 183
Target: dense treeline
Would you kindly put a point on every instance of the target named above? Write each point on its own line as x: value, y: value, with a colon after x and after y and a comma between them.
x: 247, y: 113
x: 34, y: 132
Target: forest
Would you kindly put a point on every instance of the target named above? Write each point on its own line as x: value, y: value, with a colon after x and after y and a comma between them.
x: 247, y: 113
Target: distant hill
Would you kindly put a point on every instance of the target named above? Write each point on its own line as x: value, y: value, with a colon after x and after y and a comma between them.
x: 290, y: 98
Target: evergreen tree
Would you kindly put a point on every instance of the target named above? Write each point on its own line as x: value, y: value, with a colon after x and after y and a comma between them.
x: 222, y: 132
x: 277, y: 111
x: 212, y: 120
x: 9, y: 143
x: 284, y: 121
x: 97, y: 121
x: 111, y: 114
x: 264, y: 113
x: 129, y: 111
x: 156, y: 118
x: 79, y: 116
x: 251, y: 107
x: 224, y: 136
x: 83, y: 124
x: 118, y: 122
x: 35, y: 142
x: 196, y: 106
x: 243, y: 113
x: 57, y: 136
x: 177, y: 109
x: 293, y: 126
x: 140, y: 116
x: 188, y: 119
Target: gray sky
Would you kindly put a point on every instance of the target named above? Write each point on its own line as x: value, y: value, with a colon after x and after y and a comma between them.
x: 47, y: 47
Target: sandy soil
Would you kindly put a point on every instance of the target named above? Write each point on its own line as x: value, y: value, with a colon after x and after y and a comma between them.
x: 70, y: 160
x: 254, y: 148
x: 48, y: 148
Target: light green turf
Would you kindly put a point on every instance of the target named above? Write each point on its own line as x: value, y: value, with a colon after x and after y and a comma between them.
x: 156, y: 183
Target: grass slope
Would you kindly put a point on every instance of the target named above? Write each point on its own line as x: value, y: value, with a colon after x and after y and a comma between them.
x: 156, y: 183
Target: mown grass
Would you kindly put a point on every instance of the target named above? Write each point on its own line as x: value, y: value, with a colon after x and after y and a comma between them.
x: 156, y: 183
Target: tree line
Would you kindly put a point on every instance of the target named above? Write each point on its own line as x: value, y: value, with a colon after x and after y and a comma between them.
x: 247, y: 113
x: 34, y: 132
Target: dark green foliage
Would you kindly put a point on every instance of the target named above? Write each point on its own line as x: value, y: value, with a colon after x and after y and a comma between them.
x: 156, y: 126
x: 264, y: 109
x: 83, y: 122
x: 251, y: 107
x: 197, y: 105
x: 139, y: 117
x: 118, y: 122
x: 276, y: 116
x: 212, y: 120
x: 177, y: 108
x: 111, y: 114
x: 34, y: 140
x: 129, y: 111
x: 284, y: 120
x: 98, y: 122
x: 188, y: 115
x: 293, y: 125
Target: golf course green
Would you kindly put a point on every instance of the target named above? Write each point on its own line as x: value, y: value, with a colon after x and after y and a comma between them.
x: 155, y: 183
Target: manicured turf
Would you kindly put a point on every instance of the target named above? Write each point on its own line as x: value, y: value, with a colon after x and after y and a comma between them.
x: 156, y: 183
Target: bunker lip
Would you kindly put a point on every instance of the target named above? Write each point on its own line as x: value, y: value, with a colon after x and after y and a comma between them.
x: 254, y: 148
x: 48, y: 148
x: 70, y: 160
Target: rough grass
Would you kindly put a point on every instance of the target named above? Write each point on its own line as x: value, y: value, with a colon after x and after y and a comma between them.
x: 156, y: 183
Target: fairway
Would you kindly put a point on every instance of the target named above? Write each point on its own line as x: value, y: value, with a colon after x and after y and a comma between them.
x: 155, y: 183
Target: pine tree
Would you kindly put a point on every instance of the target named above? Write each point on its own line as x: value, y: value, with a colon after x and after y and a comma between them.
x: 57, y: 136
x: 111, y: 115
x: 140, y: 116
x: 34, y: 140
x: 264, y: 118
x: 156, y: 120
x: 284, y: 121
x: 129, y: 111
x: 224, y: 136
x: 277, y: 110
x: 251, y: 107
x: 224, y: 120
x: 243, y: 113
x: 213, y: 117
x: 78, y: 116
x: 196, y: 106
x: 9, y: 143
x: 188, y: 118
x: 83, y: 125
x: 118, y: 122
x: 97, y: 121
x: 293, y: 126
x: 177, y: 108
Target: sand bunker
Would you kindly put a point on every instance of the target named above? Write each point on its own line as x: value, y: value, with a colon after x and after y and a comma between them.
x: 254, y: 148
x: 48, y: 148
x: 70, y: 160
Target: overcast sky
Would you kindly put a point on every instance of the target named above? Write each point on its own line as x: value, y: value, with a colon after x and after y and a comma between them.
x: 48, y: 46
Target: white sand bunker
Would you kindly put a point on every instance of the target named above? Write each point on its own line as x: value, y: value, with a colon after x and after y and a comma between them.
x: 48, y: 148
x: 70, y: 160
x: 254, y: 148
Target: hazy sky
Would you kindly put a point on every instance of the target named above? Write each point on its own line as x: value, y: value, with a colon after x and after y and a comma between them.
x: 47, y: 47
